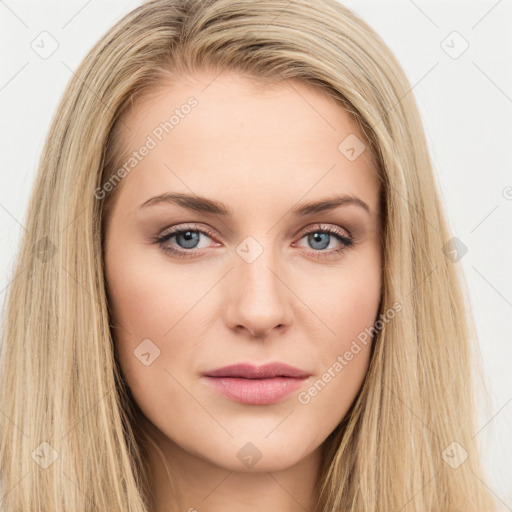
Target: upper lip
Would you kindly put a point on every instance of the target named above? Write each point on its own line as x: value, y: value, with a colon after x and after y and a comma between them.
x: 265, y: 371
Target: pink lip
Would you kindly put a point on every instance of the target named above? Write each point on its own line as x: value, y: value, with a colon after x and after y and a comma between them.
x: 249, y: 384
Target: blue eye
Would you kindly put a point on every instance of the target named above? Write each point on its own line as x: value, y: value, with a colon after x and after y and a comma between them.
x: 188, y: 238
x: 320, y: 238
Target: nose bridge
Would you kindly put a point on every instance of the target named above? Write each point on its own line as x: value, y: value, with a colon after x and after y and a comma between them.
x: 259, y: 298
x: 255, y: 266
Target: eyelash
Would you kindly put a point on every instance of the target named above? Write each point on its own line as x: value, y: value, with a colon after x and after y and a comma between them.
x: 319, y: 228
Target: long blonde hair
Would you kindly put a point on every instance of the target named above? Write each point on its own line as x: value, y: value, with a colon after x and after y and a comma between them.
x: 69, y: 430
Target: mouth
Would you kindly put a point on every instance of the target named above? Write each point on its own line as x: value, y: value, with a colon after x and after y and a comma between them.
x: 253, y: 385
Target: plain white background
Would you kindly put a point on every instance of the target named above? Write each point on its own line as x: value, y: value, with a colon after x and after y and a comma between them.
x: 458, y: 58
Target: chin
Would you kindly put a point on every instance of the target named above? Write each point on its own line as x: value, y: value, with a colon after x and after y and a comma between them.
x: 259, y: 455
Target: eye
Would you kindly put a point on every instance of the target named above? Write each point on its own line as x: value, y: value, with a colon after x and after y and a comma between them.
x: 187, y: 237
x: 188, y: 240
x: 322, y: 236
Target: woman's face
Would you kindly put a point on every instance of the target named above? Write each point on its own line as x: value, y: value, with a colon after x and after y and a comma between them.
x: 244, y: 272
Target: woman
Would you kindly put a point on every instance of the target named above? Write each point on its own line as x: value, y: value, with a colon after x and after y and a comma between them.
x: 145, y: 369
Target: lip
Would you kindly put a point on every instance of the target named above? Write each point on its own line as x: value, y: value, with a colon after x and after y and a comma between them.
x: 256, y: 385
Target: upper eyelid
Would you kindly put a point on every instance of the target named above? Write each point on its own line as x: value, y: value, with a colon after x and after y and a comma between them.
x: 174, y: 230
x: 322, y: 226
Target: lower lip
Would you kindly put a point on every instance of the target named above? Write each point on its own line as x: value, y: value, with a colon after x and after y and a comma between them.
x: 256, y: 391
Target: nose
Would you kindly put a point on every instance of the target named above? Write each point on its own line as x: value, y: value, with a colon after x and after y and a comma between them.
x: 257, y: 296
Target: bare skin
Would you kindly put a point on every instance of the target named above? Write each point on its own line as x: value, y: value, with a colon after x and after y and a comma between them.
x: 283, y: 295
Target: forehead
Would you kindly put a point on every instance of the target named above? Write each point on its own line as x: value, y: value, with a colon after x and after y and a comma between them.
x: 243, y: 139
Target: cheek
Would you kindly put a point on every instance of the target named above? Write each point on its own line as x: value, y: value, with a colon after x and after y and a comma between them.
x: 145, y: 303
x: 348, y: 308
x: 345, y: 302
x: 146, y: 299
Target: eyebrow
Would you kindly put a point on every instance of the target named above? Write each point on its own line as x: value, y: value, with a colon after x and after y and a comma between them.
x: 205, y: 205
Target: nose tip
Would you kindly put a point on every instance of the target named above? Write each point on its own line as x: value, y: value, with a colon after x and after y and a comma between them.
x: 257, y: 333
